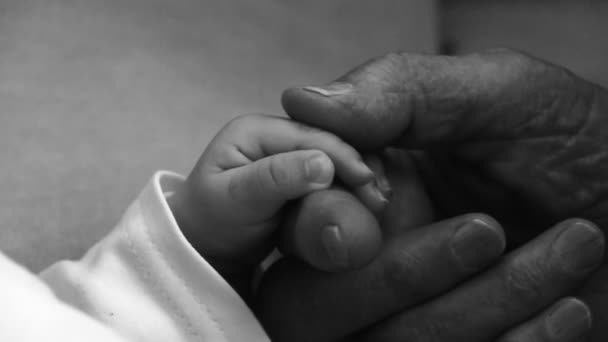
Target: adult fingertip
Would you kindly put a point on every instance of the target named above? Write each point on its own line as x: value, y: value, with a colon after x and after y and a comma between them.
x: 354, y: 238
x: 347, y: 249
x: 372, y: 197
x: 313, y: 107
x: 332, y: 239
x: 580, y: 246
x: 477, y: 242
x: 568, y: 320
x: 331, y: 231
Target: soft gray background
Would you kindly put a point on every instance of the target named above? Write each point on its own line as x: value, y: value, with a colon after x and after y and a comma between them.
x: 573, y: 33
x: 97, y: 94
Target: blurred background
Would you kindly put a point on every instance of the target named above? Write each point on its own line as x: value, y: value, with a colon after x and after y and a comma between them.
x: 573, y: 33
x: 95, y: 95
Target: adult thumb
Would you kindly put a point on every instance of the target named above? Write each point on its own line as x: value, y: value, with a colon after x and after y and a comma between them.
x: 421, y: 100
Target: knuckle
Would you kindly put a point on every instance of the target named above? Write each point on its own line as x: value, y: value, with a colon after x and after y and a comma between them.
x: 403, y: 275
x: 516, y: 60
x: 391, y: 62
x: 398, y: 58
x: 524, y: 282
x: 384, y: 66
x: 395, y: 57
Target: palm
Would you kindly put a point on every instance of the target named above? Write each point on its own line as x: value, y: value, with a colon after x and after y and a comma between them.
x: 527, y: 185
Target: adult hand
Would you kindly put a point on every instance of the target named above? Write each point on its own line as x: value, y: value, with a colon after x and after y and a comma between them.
x: 500, y: 132
x: 424, y: 285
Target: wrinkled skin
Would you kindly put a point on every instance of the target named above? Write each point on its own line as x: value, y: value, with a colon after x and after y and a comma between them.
x: 498, y: 132
x: 500, y: 124
x: 412, y: 291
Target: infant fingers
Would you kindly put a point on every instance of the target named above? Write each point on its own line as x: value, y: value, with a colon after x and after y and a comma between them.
x: 376, y: 194
x: 266, y: 184
x: 259, y: 136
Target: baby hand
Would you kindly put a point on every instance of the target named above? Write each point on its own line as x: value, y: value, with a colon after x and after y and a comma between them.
x: 232, y: 201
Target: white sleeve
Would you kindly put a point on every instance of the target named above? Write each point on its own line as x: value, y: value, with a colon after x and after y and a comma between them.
x: 146, y: 282
x: 30, y: 312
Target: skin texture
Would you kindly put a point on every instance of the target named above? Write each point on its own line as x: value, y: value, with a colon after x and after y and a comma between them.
x: 233, y: 199
x: 418, y: 264
x: 497, y: 132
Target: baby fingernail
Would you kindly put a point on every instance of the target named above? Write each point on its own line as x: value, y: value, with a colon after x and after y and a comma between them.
x: 569, y: 320
x: 319, y: 169
x: 368, y: 173
x: 384, y: 186
x: 380, y: 194
x: 580, y: 247
x: 476, y: 243
x: 332, y: 240
x: 332, y: 89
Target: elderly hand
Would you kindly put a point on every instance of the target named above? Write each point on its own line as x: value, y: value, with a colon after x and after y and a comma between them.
x: 498, y: 132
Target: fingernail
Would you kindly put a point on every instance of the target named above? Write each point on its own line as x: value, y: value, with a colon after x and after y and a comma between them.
x: 476, y: 243
x: 384, y: 186
x: 332, y: 240
x: 580, y: 247
x: 371, y: 197
x: 369, y: 175
x: 378, y: 192
x: 569, y: 320
x: 332, y: 89
x: 319, y: 169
